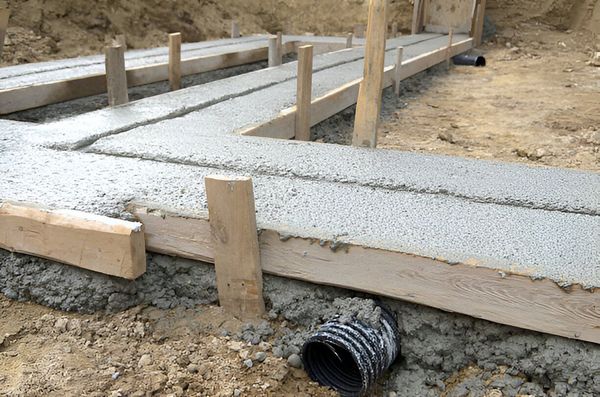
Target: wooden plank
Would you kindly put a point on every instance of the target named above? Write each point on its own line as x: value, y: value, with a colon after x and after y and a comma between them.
x: 474, y: 13
x: 349, y: 39
x: 4, y: 16
x: 232, y: 218
x: 282, y: 126
x: 28, y: 97
x: 116, y: 78
x: 368, y: 106
x: 175, y: 61
x: 280, y: 46
x: 304, y: 93
x: 235, y: 29
x: 480, y: 292
x: 440, y: 15
x: 398, y: 69
x: 98, y: 243
x: 478, y: 36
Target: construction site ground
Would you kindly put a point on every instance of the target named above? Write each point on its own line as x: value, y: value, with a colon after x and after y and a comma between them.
x: 536, y: 102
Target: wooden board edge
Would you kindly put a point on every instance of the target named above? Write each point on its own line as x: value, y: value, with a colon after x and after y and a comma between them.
x: 479, y: 292
x: 105, y: 245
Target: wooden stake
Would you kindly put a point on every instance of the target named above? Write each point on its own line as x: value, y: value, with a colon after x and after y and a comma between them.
x: 418, y: 15
x: 237, y: 259
x: 274, y: 59
x: 359, y: 31
x: 235, y: 29
x: 280, y: 47
x: 369, y: 98
x: 394, y: 30
x: 175, y: 61
x: 120, y: 40
x: 449, y: 51
x: 478, y: 36
x: 304, y: 92
x: 349, y: 40
x: 4, y: 15
x: 398, y: 70
x: 116, y: 77
x: 93, y: 242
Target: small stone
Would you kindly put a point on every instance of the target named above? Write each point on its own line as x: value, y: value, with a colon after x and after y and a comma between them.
x: 264, y: 346
x: 61, y: 324
x: 260, y: 356
x: 294, y: 361
x: 278, y: 351
x: 237, y: 393
x: 115, y: 375
x: 595, y: 59
x: 248, y: 363
x: 537, y: 154
x: 446, y: 136
x: 392, y: 394
x: 145, y: 360
x: 192, y: 368
x: 235, y: 346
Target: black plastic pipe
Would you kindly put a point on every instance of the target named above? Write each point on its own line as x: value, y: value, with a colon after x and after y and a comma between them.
x: 349, y: 357
x: 469, y: 60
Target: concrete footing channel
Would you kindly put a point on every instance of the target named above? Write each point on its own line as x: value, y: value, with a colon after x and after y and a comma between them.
x: 460, y: 235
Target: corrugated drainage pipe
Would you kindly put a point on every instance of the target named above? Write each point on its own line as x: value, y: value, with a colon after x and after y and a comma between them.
x: 469, y: 60
x: 350, y: 357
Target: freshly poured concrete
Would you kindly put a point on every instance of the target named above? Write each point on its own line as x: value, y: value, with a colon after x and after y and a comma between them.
x: 535, y: 221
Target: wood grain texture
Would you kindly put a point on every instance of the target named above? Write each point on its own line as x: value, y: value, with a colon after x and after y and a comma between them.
x: 349, y: 40
x: 304, y: 93
x: 104, y: 245
x: 282, y: 126
x: 27, y: 97
x: 417, y: 19
x: 116, y: 78
x: 449, y: 50
x: 368, y: 106
x: 478, y: 36
x: 175, y: 61
x: 475, y: 291
x: 232, y: 218
x: 4, y: 16
x: 274, y: 59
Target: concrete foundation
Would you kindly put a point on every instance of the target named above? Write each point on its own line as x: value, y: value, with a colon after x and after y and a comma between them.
x: 435, y: 345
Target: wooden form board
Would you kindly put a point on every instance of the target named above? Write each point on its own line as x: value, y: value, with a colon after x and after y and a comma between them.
x: 475, y: 291
x: 104, y: 245
x: 345, y: 96
x: 28, y: 97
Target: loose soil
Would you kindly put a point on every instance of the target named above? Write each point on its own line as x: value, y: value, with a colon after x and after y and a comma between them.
x: 536, y: 102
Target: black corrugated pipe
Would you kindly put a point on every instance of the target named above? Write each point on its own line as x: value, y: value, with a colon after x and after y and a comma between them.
x: 350, y: 356
x: 469, y: 60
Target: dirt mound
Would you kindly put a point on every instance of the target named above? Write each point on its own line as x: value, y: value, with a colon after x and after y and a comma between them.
x: 51, y: 29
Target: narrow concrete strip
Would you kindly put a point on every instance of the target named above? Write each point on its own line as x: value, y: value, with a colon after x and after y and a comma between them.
x: 84, y: 129
x: 508, y: 238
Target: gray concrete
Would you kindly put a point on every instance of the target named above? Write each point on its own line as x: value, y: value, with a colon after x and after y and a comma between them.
x: 434, y: 344
x: 535, y: 221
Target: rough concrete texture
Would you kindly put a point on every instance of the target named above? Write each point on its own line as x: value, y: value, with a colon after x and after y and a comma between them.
x: 435, y: 345
x: 432, y: 206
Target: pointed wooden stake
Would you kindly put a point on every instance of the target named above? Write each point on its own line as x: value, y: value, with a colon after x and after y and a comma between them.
x: 116, y: 77
x: 304, y: 92
x: 175, y: 61
x: 449, y: 51
x: 232, y: 220
x: 368, y: 106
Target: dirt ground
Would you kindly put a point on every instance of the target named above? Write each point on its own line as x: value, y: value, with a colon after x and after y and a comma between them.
x: 537, y: 102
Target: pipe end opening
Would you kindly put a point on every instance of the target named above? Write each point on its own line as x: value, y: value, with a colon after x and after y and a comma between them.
x: 333, y: 366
